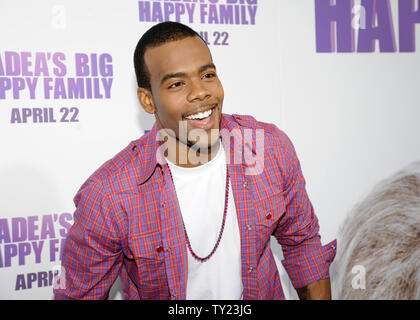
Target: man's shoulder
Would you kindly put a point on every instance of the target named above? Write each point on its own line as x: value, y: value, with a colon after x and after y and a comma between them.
x: 271, y: 131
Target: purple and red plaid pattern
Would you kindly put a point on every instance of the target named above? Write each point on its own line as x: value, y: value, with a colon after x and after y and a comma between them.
x: 128, y: 223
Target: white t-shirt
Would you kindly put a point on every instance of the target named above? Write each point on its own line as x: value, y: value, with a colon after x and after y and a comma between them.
x: 201, y: 195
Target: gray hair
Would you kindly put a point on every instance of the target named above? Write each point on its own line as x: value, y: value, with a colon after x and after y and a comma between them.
x: 381, y: 235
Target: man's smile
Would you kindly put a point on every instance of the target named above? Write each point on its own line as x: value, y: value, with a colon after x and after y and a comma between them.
x: 203, y: 118
x: 198, y: 113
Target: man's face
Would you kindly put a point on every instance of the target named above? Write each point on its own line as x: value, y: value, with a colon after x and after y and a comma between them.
x: 187, y: 95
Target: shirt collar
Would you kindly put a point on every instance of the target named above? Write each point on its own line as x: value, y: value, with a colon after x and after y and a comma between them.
x: 151, y: 154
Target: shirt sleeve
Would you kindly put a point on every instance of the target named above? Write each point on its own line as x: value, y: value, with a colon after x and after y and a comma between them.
x: 306, y: 260
x: 92, y: 254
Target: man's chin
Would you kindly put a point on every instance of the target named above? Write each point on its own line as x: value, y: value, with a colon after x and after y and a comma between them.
x: 203, y: 147
x: 200, y: 139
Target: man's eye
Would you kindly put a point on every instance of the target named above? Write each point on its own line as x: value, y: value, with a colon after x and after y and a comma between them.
x: 209, y: 75
x: 175, y: 85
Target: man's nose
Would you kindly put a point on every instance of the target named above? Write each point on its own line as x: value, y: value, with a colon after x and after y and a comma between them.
x: 198, y: 91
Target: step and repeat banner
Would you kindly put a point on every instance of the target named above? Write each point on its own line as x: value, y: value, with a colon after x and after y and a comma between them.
x: 339, y: 77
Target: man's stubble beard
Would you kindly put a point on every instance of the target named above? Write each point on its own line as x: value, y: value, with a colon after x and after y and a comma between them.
x: 186, y: 149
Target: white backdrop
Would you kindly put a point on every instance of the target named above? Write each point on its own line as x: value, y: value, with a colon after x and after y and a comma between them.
x: 352, y: 116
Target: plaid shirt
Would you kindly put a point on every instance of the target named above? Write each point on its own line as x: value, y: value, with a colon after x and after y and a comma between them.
x: 128, y: 222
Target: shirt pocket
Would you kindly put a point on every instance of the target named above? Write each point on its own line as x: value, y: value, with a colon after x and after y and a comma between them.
x: 149, y: 256
x: 270, y: 211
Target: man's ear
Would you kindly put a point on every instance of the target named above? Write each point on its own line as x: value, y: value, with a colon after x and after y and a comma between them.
x: 145, y: 97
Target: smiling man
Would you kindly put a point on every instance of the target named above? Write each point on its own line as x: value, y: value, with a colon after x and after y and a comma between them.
x: 183, y: 92
x: 178, y: 214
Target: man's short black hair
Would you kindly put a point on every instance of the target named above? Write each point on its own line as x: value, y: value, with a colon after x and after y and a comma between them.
x: 155, y: 36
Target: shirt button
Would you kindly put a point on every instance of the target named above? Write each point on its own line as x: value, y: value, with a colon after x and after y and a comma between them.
x: 163, y: 204
x: 249, y: 227
x: 268, y: 216
x: 245, y: 184
x: 159, y: 249
x: 250, y: 269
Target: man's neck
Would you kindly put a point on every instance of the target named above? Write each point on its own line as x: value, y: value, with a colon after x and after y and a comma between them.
x: 187, y: 156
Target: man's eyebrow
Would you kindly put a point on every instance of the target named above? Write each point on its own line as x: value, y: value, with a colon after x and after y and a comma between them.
x: 207, y: 66
x: 172, y: 75
x: 183, y: 74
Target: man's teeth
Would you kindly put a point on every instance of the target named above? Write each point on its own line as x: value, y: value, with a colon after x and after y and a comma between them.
x: 200, y: 115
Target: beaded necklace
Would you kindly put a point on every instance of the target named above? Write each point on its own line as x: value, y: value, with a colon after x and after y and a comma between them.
x: 221, y: 229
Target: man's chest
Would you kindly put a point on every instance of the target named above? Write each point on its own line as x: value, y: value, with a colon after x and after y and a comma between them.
x: 155, y: 243
x: 155, y: 210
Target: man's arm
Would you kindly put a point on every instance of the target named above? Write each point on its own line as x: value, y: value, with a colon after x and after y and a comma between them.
x: 318, y: 290
x: 306, y: 260
x: 92, y: 254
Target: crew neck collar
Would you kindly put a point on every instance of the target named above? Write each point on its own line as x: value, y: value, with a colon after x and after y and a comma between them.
x: 204, y: 166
